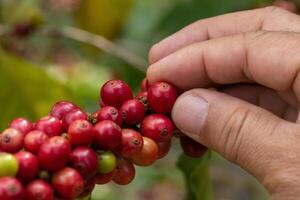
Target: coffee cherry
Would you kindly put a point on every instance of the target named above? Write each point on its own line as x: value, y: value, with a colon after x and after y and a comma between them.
x: 109, y: 113
x: 115, y: 93
x: 61, y: 108
x: 132, y: 111
x: 22, y: 29
x: 81, y: 132
x: 22, y: 125
x: 107, y: 162
x: 157, y: 127
x: 33, y: 140
x: 192, y: 148
x: 107, y: 135
x: 54, y: 153
x: 68, y: 183
x: 105, y: 178
x: 8, y: 165
x: 11, y: 189
x: 163, y: 149
x: 88, y: 187
x: 132, y: 143
x: 148, y: 155
x: 72, y: 116
x: 52, y: 126
x: 125, y: 172
x: 11, y: 140
x: 144, y: 85
x: 39, y: 190
x: 161, y: 97
x: 28, y: 166
x: 84, y: 160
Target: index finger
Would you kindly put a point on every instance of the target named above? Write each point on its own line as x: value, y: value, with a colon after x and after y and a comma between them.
x: 269, y: 19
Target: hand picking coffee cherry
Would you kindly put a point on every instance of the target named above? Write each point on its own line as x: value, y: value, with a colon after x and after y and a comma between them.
x: 63, y: 155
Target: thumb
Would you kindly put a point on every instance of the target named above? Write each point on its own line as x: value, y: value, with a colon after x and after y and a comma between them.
x: 243, y: 133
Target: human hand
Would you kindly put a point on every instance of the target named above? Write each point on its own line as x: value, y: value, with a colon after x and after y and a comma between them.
x: 253, y: 59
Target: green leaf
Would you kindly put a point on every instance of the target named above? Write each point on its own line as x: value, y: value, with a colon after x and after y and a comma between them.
x: 197, y: 178
x: 26, y: 90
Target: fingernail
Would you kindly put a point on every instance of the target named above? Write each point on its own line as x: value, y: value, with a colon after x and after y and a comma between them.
x: 189, y: 114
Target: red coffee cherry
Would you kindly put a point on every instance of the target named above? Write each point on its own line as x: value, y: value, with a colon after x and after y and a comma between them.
x: 81, y: 132
x: 84, y: 160
x: 61, y: 108
x: 72, y: 116
x: 102, y: 179
x: 133, y: 111
x: 148, y: 155
x: 109, y: 113
x: 161, y: 97
x: 88, y: 187
x: 163, y: 149
x: 192, y: 148
x: 157, y: 127
x: 68, y: 183
x: 11, y: 189
x: 22, y: 125
x: 131, y: 144
x: 107, y: 135
x: 125, y: 172
x: 54, y: 153
x: 33, y: 140
x: 52, y: 126
x: 11, y: 140
x: 144, y: 85
x: 28, y: 166
x: 39, y: 190
x: 115, y: 93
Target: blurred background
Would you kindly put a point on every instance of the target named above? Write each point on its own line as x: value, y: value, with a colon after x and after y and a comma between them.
x: 66, y: 49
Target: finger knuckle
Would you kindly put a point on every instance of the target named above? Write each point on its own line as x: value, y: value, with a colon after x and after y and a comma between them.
x: 233, y: 132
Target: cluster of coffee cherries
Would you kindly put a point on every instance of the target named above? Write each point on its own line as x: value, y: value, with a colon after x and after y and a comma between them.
x: 63, y: 155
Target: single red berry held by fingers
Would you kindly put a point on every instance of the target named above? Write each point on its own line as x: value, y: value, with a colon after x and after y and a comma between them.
x: 52, y: 126
x: 33, y: 140
x: 144, y: 85
x: 11, y: 140
x: 105, y: 178
x: 163, y: 149
x: 115, y: 93
x: 28, y: 166
x: 68, y: 183
x: 161, y: 97
x: 85, y: 161
x: 54, y: 153
x: 192, y: 148
x: 61, y: 108
x: 11, y: 189
x: 107, y: 135
x: 157, y: 127
x: 148, y: 155
x: 109, y: 113
x: 81, y: 132
x: 133, y: 111
x: 72, y: 116
x: 131, y: 144
x: 125, y: 172
x: 39, y: 190
x: 22, y: 124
